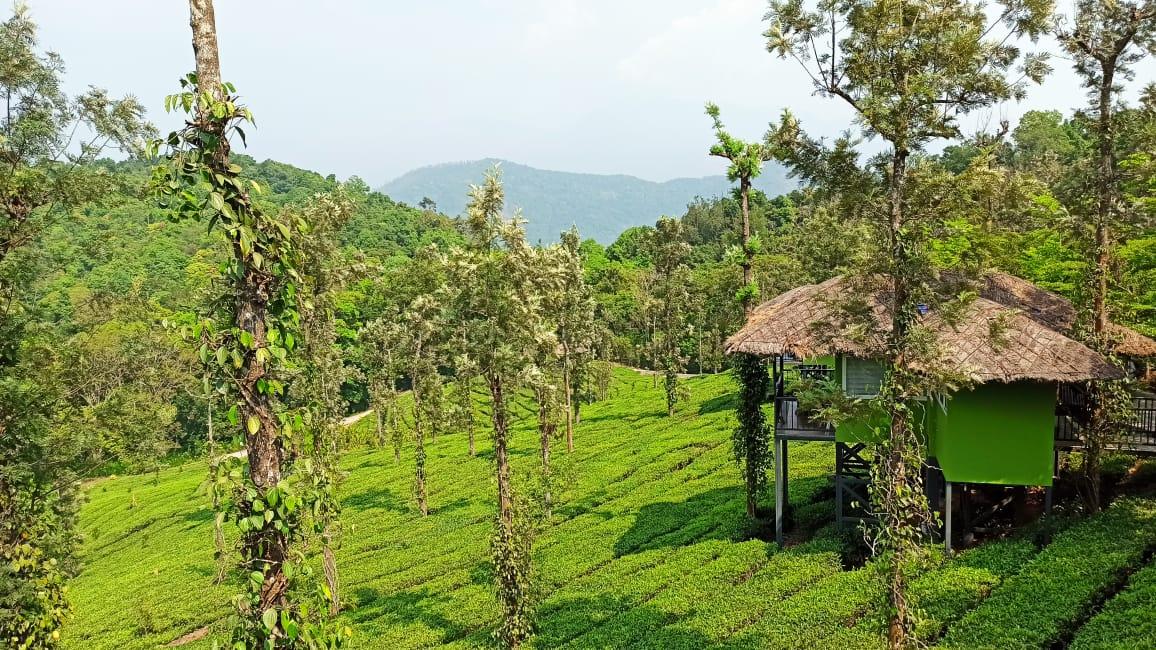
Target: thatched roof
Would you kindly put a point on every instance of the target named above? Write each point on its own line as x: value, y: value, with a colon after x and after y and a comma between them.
x: 1058, y: 313
x: 988, y: 342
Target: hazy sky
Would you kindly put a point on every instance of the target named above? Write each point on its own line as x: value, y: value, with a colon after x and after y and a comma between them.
x: 375, y: 88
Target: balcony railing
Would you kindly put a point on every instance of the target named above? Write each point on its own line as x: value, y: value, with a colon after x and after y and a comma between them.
x: 792, y: 423
x: 1073, y: 414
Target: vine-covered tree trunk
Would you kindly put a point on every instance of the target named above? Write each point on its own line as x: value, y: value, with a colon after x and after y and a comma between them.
x: 512, y: 540
x: 379, y: 421
x: 264, y: 549
x: 419, y: 465
x: 898, y: 498
x: 752, y: 436
x: 467, y: 406
x: 501, y: 452
x: 670, y: 383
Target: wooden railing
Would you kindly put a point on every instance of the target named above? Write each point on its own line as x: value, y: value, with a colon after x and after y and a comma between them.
x: 1073, y: 413
x: 791, y: 423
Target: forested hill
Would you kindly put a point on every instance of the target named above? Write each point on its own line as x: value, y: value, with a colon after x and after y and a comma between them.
x: 602, y: 206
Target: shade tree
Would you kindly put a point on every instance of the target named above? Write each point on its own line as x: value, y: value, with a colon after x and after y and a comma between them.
x: 908, y: 71
x: 1105, y: 41
x: 504, y: 326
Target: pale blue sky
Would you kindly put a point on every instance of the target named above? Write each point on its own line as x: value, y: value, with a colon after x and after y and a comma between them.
x: 378, y: 88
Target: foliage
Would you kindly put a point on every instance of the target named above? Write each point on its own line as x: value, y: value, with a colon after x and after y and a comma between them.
x: 670, y: 304
x: 1126, y: 620
x: 752, y: 438
x: 44, y: 174
x: 250, y: 354
x: 653, y: 511
x: 1104, y: 40
x: 499, y: 308
x: 908, y: 71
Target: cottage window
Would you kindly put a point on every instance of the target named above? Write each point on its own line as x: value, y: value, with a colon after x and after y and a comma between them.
x: 862, y: 377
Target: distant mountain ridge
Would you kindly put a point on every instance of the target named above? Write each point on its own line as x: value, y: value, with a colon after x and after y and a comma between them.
x: 601, y: 205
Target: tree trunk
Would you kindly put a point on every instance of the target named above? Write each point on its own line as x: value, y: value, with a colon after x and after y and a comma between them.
x: 1100, y: 425
x: 266, y: 549
x: 380, y: 422
x: 203, y: 21
x: 748, y: 254
x: 419, y: 455
x: 209, y: 408
x: 896, y: 470
x: 569, y: 397
x: 470, y: 419
x: 501, y: 453
x: 544, y: 433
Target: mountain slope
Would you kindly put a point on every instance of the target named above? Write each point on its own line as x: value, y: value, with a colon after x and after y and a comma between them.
x: 602, y: 206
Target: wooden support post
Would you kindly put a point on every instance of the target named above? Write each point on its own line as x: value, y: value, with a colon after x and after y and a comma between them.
x: 840, y: 450
x: 786, y: 481
x: 1048, y: 500
x: 947, y: 518
x: 780, y: 491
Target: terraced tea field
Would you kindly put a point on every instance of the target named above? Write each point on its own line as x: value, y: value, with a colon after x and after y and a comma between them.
x: 648, y: 548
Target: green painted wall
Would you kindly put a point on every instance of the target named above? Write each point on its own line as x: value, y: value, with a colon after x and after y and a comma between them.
x: 997, y: 433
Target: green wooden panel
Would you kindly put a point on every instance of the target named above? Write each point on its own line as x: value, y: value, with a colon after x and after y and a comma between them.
x: 997, y: 433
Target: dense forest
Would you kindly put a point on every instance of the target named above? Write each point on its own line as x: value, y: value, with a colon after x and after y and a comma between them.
x: 171, y: 300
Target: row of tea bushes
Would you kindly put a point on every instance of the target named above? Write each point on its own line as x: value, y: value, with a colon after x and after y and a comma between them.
x: 1127, y: 621
x: 1056, y: 591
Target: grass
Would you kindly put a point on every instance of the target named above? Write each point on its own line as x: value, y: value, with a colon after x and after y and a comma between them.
x: 648, y: 547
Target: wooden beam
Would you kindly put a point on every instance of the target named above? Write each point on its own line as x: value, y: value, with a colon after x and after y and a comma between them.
x: 947, y: 519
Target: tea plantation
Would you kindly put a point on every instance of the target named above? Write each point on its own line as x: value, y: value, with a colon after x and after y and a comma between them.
x: 648, y: 548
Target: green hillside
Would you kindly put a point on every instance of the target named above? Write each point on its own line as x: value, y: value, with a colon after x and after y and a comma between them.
x: 601, y: 205
x: 646, y: 550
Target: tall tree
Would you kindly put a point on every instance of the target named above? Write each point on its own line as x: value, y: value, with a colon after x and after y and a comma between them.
x: 669, y: 251
x: 577, y: 333
x: 746, y: 163
x: 421, y: 345
x: 325, y: 273
x: 501, y: 317
x: 44, y: 173
x: 909, y: 70
x: 1105, y: 41
x: 271, y: 501
x: 751, y: 440
x: 382, y: 364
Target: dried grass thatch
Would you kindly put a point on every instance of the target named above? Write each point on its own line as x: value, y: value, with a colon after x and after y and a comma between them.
x: 988, y: 342
x: 1055, y: 311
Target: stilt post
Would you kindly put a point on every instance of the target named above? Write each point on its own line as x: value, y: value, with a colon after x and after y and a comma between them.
x: 780, y: 488
x: 947, y: 518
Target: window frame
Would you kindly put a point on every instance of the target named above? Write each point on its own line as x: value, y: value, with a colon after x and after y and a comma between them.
x: 843, y: 379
